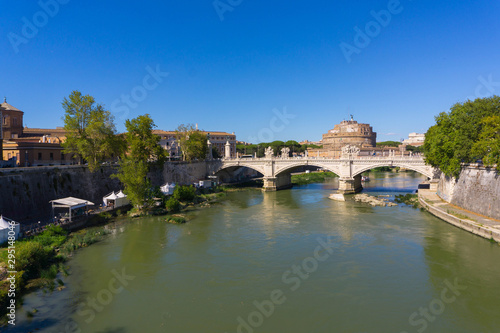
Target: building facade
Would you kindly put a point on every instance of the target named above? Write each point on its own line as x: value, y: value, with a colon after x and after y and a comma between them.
x: 168, y: 140
x: 12, y: 121
x: 348, y: 132
x: 415, y: 139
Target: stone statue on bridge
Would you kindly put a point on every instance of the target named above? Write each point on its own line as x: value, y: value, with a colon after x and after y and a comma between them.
x: 285, y: 152
x: 269, y: 152
x: 349, y: 151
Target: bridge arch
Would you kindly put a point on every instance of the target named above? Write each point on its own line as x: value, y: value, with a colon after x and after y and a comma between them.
x: 424, y: 170
x: 333, y: 168
x: 240, y: 164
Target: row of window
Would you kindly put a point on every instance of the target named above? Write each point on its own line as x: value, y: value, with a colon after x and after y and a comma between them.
x: 14, y: 121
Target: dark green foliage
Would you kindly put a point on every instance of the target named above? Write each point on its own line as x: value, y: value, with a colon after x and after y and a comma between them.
x: 414, y: 149
x: 313, y: 177
x: 469, y: 132
x: 31, y: 257
x: 176, y: 219
x: 388, y: 144
x: 172, y: 205
x: 143, y: 152
x: 53, y: 236
x: 184, y: 193
x: 294, y: 146
x: 407, y: 199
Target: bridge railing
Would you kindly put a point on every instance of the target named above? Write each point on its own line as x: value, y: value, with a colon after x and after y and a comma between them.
x: 416, y: 157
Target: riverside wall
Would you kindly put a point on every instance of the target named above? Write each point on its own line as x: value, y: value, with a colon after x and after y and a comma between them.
x: 25, y: 192
x: 477, y: 189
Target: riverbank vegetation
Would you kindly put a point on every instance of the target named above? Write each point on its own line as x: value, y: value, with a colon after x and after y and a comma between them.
x: 468, y: 133
x: 313, y: 177
x: 39, y: 260
x: 408, y: 199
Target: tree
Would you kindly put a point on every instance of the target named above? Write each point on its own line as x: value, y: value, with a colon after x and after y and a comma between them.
x: 90, y: 130
x: 389, y: 144
x: 467, y: 133
x: 143, y: 144
x: 143, y: 152
x: 488, y: 145
x: 193, y: 142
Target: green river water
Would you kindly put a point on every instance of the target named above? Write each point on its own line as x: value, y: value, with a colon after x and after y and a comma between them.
x: 291, y: 261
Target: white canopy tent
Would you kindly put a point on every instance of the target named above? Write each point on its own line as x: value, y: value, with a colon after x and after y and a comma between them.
x: 71, y: 204
x: 168, y: 189
x: 5, y: 223
x: 116, y: 199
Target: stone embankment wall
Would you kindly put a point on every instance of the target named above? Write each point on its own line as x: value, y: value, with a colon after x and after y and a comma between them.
x: 25, y: 192
x: 477, y: 189
x: 184, y: 172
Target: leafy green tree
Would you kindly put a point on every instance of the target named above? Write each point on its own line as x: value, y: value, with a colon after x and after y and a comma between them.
x: 90, y: 130
x: 414, y: 149
x: 143, y: 144
x: 143, y: 152
x: 465, y: 134
x: 173, y: 205
x: 193, y: 142
x: 488, y: 145
x: 184, y: 193
x: 133, y: 175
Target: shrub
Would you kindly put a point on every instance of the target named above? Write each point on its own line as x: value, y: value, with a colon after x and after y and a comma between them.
x: 176, y: 219
x: 172, y: 205
x: 184, y: 193
x: 31, y: 257
x: 53, y: 236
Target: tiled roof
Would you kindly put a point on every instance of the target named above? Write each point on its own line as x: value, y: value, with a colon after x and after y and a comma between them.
x: 6, y: 106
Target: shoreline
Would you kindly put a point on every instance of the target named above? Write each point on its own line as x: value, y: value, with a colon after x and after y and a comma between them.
x: 487, y: 228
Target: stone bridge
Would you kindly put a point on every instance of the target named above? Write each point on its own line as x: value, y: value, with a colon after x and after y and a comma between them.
x: 276, y: 170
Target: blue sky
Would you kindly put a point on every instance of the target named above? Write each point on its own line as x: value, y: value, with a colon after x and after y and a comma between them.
x: 270, y: 70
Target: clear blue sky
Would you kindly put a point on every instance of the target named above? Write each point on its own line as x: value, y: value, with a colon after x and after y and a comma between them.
x: 230, y: 74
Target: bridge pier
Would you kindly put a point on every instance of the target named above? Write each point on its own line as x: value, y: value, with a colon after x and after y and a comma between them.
x: 350, y: 185
x: 277, y: 183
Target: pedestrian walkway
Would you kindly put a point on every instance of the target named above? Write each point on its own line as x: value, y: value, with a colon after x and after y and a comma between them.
x: 477, y: 224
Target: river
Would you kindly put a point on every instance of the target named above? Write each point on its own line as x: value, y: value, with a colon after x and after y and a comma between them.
x: 290, y: 261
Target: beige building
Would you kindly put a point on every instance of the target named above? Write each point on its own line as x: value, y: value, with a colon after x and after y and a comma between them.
x: 348, y: 132
x: 168, y: 140
x: 415, y: 139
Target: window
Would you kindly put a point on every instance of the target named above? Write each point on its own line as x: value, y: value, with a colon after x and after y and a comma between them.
x: 62, y: 156
x: 51, y: 156
x: 39, y: 156
x: 5, y: 120
x: 8, y: 156
x: 14, y: 121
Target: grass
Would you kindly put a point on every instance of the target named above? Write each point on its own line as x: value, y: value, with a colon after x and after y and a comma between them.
x: 459, y: 215
x: 313, y: 177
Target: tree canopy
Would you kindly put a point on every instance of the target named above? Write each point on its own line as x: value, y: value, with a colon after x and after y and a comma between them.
x: 294, y: 146
x: 143, y: 151
x: 90, y: 130
x: 193, y: 143
x: 468, y: 133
